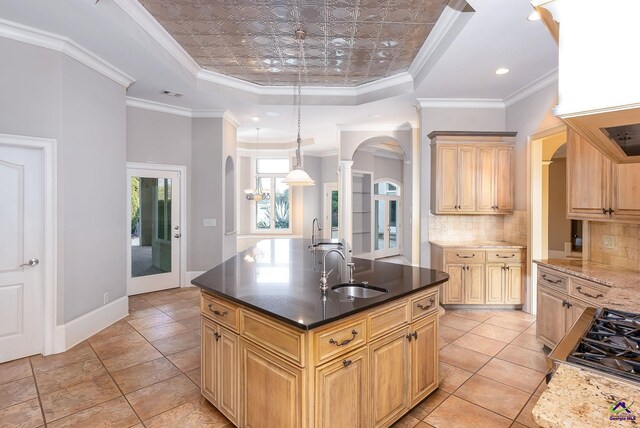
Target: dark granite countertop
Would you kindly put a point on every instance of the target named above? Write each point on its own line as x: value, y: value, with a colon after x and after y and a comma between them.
x: 281, y: 278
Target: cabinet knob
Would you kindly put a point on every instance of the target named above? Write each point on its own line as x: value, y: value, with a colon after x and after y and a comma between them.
x: 346, y: 363
x: 217, y: 336
x: 604, y: 211
x: 408, y: 336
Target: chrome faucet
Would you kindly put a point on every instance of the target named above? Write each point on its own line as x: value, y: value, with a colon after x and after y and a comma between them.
x: 324, y: 274
x: 315, y: 224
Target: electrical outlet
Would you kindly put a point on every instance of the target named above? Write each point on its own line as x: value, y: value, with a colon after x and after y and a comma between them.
x: 105, y: 298
x: 608, y: 241
x: 208, y: 222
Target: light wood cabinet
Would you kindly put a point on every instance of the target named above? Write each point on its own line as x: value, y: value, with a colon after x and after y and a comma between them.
x: 340, y: 388
x: 219, y: 371
x: 597, y: 188
x: 480, y: 276
x: 367, y: 370
x: 561, y: 300
x: 472, y: 173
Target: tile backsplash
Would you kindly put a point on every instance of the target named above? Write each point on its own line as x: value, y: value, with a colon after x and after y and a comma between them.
x: 616, y: 244
x: 512, y: 228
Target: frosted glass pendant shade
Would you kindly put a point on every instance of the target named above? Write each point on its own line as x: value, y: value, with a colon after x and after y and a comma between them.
x: 298, y: 177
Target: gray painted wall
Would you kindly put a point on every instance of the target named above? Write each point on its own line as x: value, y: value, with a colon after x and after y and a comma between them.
x: 228, y: 151
x: 46, y: 94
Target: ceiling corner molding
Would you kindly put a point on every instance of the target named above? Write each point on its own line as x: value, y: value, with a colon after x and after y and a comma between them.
x: 461, y: 103
x: 223, y: 114
x: 140, y: 15
x: 159, y: 107
x: 66, y: 46
x: 531, y: 88
x: 375, y: 128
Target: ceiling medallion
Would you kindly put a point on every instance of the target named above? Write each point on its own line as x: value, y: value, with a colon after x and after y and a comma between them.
x: 297, y: 176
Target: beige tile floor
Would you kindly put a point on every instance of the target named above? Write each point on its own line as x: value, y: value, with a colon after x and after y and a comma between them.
x: 145, y: 371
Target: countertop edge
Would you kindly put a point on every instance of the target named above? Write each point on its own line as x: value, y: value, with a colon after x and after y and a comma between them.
x: 569, y: 271
x: 324, y: 322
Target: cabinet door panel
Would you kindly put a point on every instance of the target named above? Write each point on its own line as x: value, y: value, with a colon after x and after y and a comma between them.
x: 229, y: 395
x: 340, y: 388
x: 474, y: 284
x: 454, y: 289
x: 424, y: 359
x: 588, y: 173
x: 271, y: 390
x: 447, y: 179
x: 552, y: 316
x: 466, y: 179
x: 486, y: 179
x: 514, y: 284
x: 504, y: 183
x: 389, y: 374
x: 495, y: 283
x: 626, y: 189
x: 209, y: 370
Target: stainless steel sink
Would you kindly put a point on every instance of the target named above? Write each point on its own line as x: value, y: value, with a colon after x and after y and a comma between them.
x: 359, y: 289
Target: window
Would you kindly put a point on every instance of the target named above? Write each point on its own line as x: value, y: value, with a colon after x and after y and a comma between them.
x: 274, y: 214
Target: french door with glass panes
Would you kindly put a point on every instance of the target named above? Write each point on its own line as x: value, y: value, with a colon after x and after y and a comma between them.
x: 387, y: 218
x: 154, y: 230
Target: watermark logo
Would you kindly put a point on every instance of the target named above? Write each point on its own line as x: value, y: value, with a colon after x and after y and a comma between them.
x: 621, y: 411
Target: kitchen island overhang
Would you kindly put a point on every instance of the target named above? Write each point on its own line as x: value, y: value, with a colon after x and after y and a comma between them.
x: 268, y: 331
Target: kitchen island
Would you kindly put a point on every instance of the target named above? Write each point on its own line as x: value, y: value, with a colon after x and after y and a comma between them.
x: 278, y: 352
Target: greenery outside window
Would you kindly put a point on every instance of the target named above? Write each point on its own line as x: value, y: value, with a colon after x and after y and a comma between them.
x: 273, y: 215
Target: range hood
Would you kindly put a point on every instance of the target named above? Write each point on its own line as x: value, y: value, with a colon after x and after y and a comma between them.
x: 598, y: 97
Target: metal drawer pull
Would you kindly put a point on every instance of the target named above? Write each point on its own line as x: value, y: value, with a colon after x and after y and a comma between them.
x: 551, y: 281
x: 415, y: 335
x: 346, y: 363
x: 220, y: 314
x: 466, y: 257
x: 505, y: 257
x: 344, y: 342
x: 579, y: 288
x: 424, y: 308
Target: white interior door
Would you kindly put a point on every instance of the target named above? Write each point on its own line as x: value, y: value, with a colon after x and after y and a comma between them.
x: 331, y: 205
x: 154, y: 230
x: 21, y: 237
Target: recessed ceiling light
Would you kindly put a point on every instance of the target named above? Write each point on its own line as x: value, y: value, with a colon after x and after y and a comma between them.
x: 502, y: 70
x: 273, y: 113
x: 534, y: 16
x: 255, y: 118
x: 171, y: 93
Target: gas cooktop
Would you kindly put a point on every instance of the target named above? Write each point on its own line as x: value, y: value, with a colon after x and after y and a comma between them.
x: 611, y: 344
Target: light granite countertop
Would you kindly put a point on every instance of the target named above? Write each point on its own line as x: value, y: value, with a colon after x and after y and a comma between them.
x: 477, y: 244
x: 624, y: 283
x: 577, y: 397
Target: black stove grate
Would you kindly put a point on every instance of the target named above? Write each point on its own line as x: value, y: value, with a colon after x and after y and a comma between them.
x: 611, y: 344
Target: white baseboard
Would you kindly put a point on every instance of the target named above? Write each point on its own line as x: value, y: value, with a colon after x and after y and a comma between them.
x: 85, y: 326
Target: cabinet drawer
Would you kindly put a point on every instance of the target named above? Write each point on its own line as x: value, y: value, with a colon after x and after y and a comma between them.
x: 505, y: 256
x: 553, y: 279
x: 285, y: 342
x: 221, y: 311
x: 588, y: 291
x: 464, y: 256
x: 387, y: 319
x: 424, y: 305
x: 339, y: 339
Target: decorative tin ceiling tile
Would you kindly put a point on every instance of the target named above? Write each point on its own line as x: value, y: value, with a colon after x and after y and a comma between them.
x: 348, y: 43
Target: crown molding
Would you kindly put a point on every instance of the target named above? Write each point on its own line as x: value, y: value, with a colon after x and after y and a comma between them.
x: 531, y: 88
x: 182, y: 111
x: 66, y: 46
x: 142, y: 17
x: 375, y: 127
x: 460, y: 103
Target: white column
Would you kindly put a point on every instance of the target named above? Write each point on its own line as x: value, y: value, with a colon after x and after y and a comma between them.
x: 345, y: 201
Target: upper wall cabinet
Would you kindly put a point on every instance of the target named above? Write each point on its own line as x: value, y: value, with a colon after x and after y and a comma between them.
x: 597, y: 188
x: 472, y: 172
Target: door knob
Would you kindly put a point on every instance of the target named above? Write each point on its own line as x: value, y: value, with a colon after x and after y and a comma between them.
x: 177, y: 235
x: 31, y: 263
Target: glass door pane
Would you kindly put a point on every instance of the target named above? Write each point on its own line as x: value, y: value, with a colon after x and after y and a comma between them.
x: 151, y: 226
x: 393, y: 223
x: 380, y: 224
x: 334, y: 214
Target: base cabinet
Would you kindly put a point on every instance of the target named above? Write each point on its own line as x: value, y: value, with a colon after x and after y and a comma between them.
x: 424, y: 359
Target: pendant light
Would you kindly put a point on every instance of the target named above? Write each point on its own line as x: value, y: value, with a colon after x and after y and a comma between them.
x: 258, y: 194
x: 297, y: 176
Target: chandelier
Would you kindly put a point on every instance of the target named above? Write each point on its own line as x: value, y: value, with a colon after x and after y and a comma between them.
x: 258, y: 194
x: 297, y: 176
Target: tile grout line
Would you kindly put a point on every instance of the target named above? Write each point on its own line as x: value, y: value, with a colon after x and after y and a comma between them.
x: 35, y: 382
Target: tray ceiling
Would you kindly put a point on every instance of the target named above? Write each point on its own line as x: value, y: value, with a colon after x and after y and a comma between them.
x: 347, y: 44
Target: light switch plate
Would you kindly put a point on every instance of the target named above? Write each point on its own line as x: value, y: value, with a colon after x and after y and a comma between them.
x: 208, y: 222
x: 608, y: 241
